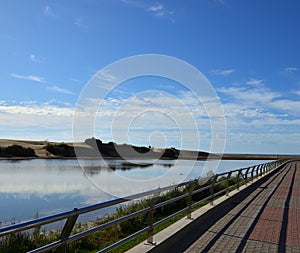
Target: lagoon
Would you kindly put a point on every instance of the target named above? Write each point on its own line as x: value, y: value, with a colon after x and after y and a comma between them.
x: 46, y: 186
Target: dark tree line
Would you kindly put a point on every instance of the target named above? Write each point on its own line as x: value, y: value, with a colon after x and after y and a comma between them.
x: 16, y: 151
x: 63, y: 150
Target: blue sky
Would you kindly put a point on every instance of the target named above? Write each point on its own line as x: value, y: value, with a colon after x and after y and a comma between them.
x: 249, y: 50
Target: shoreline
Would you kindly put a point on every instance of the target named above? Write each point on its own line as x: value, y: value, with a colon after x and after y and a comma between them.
x: 40, y: 151
x: 224, y: 157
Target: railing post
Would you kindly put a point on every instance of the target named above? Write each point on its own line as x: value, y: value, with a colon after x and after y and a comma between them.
x: 67, y: 229
x: 227, y: 183
x: 267, y: 168
x: 261, y: 169
x: 252, y: 173
x: 246, y: 174
x: 192, y: 186
x: 212, y: 186
x: 238, y: 179
x: 257, y: 169
x: 153, y: 201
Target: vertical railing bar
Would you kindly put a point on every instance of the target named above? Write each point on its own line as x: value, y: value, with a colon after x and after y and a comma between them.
x: 252, y: 173
x: 192, y: 186
x: 150, y: 238
x: 212, y: 186
x: 238, y: 179
x: 261, y: 170
x: 227, y: 183
x: 257, y: 168
x: 67, y: 229
x: 246, y: 175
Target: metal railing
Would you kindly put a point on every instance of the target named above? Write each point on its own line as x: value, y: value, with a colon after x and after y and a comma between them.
x: 229, y: 180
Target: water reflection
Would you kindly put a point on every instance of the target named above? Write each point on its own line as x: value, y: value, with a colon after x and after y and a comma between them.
x: 113, y: 165
x: 50, y: 186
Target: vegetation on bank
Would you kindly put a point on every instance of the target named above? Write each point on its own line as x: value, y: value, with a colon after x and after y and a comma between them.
x: 62, y: 150
x: 112, y: 149
x: 25, y: 241
x: 16, y: 151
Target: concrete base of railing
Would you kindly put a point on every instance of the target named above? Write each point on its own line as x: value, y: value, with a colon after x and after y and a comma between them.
x: 178, y: 236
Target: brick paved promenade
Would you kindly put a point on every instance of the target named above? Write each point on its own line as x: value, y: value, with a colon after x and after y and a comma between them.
x: 268, y: 220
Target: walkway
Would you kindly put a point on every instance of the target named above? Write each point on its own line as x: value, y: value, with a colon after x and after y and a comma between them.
x: 268, y: 220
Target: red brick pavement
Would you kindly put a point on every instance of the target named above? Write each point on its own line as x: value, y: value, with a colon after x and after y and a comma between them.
x: 271, y: 221
x: 293, y: 231
x: 268, y: 226
x: 271, y: 224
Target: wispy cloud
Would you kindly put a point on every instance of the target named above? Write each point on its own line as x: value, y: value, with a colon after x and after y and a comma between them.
x: 157, y: 9
x: 75, y: 80
x: 222, y: 72
x: 47, y: 11
x: 246, y: 96
x: 80, y: 24
x: 290, y: 69
x: 42, y: 80
x: 34, y: 58
x: 134, y: 3
x: 262, y: 97
x: 256, y: 114
x: 29, y: 78
x: 296, y: 92
x: 35, y: 109
x: 255, y: 82
x: 38, y: 120
x: 61, y: 90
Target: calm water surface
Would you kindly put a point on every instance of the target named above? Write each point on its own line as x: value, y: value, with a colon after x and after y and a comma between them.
x: 45, y: 187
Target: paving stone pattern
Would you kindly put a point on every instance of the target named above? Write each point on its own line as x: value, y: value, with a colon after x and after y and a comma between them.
x: 268, y: 220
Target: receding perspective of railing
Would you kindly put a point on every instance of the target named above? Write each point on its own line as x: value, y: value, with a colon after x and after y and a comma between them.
x: 229, y: 180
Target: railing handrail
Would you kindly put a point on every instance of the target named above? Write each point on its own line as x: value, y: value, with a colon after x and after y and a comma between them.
x: 72, y: 215
x: 86, y: 209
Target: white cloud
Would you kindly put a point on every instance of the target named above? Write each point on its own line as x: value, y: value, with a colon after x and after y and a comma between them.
x: 222, y: 72
x: 290, y: 69
x: 47, y: 10
x: 255, y: 82
x: 31, y: 120
x: 262, y: 97
x: 255, y: 114
x: 34, y: 58
x: 259, y: 119
x: 106, y: 77
x: 29, y: 78
x: 80, y: 24
x: 296, y: 92
x: 42, y: 80
x: 157, y: 9
x: 289, y: 106
x: 38, y: 110
x: 75, y: 80
x: 250, y: 96
x: 58, y: 89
